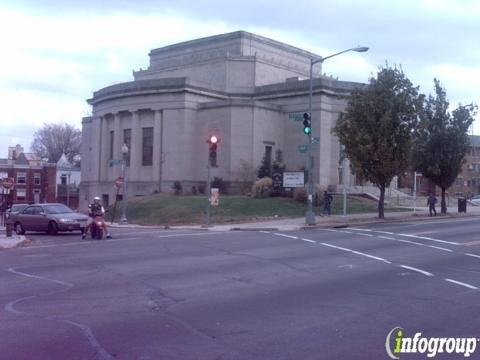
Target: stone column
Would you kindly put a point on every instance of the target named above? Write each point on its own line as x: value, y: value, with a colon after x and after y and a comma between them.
x: 104, y: 148
x: 157, y: 147
x: 135, y: 147
x: 117, y: 137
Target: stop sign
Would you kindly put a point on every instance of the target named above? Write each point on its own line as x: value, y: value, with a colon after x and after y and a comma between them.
x: 8, y: 183
x: 119, y: 182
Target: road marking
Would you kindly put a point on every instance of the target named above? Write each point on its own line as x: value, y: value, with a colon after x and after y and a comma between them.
x: 385, y: 232
x: 462, y: 284
x: 440, y: 248
x: 357, y: 253
x: 477, y: 256
x: 386, y: 237
x: 429, y: 239
x: 287, y: 236
x: 12, y: 270
x: 417, y: 270
x: 265, y: 232
x: 476, y: 242
x: 369, y: 235
x: 310, y: 241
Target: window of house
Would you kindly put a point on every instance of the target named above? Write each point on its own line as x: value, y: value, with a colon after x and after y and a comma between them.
x: 21, y: 178
x: 37, y: 179
x: 127, y: 140
x: 147, y: 146
x: 268, y: 155
x: 21, y: 194
x: 63, y: 179
x: 112, y: 136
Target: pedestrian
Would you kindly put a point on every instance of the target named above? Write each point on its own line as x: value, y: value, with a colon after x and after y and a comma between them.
x: 327, y: 203
x: 431, y: 201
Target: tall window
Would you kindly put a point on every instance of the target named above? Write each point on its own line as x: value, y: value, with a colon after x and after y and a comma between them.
x: 147, y: 146
x: 268, y: 156
x: 127, y: 139
x: 112, y: 136
x: 37, y: 179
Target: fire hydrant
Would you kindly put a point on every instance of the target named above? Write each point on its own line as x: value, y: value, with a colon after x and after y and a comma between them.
x: 9, y: 228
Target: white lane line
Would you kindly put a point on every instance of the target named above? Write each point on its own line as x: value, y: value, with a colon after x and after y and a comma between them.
x: 12, y: 270
x: 194, y: 234
x: 369, y: 235
x: 417, y: 270
x: 473, y: 255
x: 385, y: 232
x: 429, y: 239
x: 265, y: 232
x: 386, y: 237
x: 287, y: 236
x: 462, y: 284
x: 440, y: 248
x: 357, y: 253
x: 310, y: 241
x: 361, y: 229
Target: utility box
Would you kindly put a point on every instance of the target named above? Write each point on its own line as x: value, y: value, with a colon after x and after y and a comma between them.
x: 462, y: 205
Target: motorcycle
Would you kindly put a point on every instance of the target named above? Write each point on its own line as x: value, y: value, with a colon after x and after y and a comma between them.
x: 97, y: 227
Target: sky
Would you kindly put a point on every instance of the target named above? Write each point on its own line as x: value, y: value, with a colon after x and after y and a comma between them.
x: 56, y: 53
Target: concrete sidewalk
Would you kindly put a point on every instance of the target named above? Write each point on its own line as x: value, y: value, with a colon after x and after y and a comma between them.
x: 421, y: 213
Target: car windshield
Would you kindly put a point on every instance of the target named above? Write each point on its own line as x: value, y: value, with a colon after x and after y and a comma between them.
x: 57, y: 209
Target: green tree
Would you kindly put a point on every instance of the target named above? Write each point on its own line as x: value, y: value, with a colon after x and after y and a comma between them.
x: 377, y: 128
x: 442, y: 140
x: 265, y: 168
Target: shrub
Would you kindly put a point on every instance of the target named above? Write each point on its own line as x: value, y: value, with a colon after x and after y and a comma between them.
x: 300, y: 194
x: 262, y: 188
x: 177, y: 187
x: 194, y: 190
x: 218, y: 183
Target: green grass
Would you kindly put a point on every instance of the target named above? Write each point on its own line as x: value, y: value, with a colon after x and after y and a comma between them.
x: 163, y: 209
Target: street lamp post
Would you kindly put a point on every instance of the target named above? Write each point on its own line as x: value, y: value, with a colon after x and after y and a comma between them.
x: 310, y: 216
x: 125, y: 150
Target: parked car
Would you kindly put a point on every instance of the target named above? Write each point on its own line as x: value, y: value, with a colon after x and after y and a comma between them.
x: 15, y: 209
x: 475, y: 200
x: 50, y: 218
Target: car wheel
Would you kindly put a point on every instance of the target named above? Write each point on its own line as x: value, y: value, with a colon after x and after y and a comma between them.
x: 19, y: 230
x: 52, y: 228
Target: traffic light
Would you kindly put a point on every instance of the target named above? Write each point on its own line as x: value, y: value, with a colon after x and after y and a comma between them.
x: 212, y: 150
x: 307, y: 124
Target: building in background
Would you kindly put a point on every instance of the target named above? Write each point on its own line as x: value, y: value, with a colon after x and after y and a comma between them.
x: 67, y: 179
x: 248, y: 90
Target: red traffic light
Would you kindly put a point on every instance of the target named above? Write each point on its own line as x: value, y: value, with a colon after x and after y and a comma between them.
x: 213, y: 139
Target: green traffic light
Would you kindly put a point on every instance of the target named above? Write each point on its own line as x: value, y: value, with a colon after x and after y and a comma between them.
x: 307, y: 130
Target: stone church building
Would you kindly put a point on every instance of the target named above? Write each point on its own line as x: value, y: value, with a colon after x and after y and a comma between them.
x: 246, y: 89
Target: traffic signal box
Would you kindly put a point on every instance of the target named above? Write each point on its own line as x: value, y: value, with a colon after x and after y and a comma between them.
x: 213, y: 142
x: 307, y: 124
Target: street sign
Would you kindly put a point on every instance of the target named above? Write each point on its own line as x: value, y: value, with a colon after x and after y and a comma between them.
x: 214, y: 197
x: 296, y: 116
x: 277, y: 180
x: 8, y: 183
x: 293, y: 179
x: 119, y: 182
x: 315, y: 140
x: 302, y: 149
x: 112, y: 163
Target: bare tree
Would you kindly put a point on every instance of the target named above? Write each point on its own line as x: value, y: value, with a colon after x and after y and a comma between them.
x: 53, y: 140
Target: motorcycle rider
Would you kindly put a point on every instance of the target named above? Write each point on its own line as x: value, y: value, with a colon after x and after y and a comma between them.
x: 95, y: 209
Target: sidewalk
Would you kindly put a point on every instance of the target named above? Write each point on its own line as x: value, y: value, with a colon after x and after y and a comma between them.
x: 421, y: 213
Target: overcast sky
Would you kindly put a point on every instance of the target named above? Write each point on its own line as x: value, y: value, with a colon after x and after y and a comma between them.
x: 55, y: 53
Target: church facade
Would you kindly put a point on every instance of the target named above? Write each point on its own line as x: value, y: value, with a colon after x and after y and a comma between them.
x: 247, y: 90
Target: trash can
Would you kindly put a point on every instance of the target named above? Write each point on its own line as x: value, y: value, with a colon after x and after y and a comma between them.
x: 8, y: 228
x: 462, y: 205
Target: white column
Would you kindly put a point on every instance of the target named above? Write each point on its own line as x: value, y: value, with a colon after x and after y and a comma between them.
x: 117, y: 137
x: 104, y: 148
x: 135, y: 147
x: 157, y: 147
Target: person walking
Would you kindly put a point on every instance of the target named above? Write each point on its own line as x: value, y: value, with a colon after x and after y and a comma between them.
x: 431, y: 201
x: 327, y: 203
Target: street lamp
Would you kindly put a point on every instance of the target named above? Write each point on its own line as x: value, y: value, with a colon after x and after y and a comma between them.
x: 310, y: 216
x: 124, y: 220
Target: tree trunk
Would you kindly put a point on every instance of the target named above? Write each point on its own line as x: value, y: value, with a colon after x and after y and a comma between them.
x: 443, y: 203
x: 381, y: 203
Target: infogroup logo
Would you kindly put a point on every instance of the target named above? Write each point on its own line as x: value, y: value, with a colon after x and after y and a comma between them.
x: 397, y: 343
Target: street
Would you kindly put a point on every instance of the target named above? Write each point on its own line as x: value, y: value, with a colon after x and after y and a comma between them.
x: 331, y: 293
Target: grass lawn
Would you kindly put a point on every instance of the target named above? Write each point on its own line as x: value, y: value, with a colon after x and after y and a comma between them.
x: 163, y: 209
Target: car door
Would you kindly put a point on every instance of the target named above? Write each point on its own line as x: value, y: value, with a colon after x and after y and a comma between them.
x: 41, y: 220
x: 27, y: 218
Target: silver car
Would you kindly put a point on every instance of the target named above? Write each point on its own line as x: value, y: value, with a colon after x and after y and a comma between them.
x: 51, y: 218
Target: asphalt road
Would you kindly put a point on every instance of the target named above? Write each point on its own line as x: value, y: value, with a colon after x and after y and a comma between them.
x: 316, y: 294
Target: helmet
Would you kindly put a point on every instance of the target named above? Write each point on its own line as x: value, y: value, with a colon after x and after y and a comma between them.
x: 96, y: 198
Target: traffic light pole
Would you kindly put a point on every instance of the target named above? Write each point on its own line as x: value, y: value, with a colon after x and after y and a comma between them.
x: 209, y: 166
x: 310, y: 215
